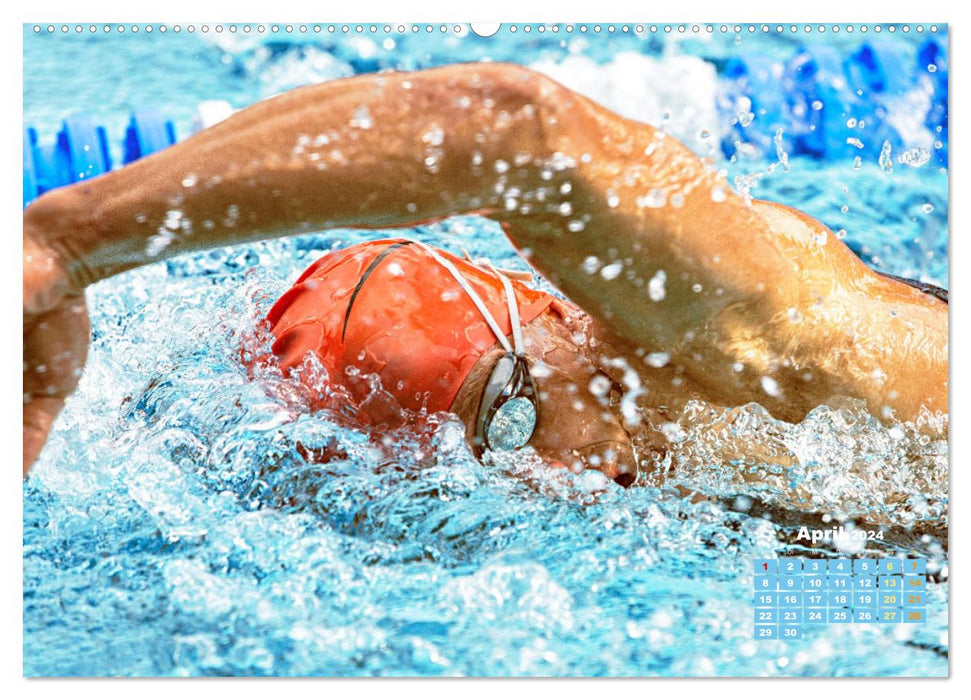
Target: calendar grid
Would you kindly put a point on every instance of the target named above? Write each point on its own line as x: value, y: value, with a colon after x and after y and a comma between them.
x: 793, y: 593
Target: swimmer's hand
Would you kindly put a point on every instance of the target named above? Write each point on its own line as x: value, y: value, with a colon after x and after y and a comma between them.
x: 56, y: 334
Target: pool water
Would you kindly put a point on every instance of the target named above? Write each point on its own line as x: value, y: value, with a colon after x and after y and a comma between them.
x: 187, y: 518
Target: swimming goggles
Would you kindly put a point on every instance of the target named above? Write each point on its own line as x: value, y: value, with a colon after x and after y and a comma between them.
x: 509, y: 407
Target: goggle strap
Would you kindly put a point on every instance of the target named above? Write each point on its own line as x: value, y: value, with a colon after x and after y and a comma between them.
x: 517, y: 327
x: 476, y: 299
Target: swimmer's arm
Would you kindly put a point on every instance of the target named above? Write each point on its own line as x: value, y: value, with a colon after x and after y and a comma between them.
x: 681, y: 264
x: 374, y: 151
x: 755, y: 301
x: 380, y: 150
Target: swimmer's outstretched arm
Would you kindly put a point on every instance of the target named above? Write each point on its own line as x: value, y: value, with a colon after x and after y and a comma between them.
x: 754, y: 300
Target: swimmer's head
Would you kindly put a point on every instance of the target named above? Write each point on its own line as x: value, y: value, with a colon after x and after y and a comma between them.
x: 433, y: 327
x: 575, y: 428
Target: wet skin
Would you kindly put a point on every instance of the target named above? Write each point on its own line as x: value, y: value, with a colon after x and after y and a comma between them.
x: 751, y: 290
x: 574, y: 428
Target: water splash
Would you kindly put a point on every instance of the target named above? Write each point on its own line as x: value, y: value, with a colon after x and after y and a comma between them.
x: 180, y: 497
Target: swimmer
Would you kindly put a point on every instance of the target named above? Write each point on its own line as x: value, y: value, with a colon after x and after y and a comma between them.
x: 679, y: 288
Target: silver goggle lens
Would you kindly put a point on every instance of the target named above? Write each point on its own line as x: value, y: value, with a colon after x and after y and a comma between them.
x: 512, y: 424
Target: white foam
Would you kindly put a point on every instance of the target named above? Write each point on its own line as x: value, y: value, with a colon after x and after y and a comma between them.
x: 677, y: 93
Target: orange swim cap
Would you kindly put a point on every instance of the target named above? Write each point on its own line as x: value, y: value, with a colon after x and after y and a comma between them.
x: 388, y: 308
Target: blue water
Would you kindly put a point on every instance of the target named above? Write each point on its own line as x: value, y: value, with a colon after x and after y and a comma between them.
x: 174, y: 526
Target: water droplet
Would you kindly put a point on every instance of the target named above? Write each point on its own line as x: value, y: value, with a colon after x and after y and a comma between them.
x: 189, y: 180
x: 501, y: 166
x: 914, y: 157
x: 657, y: 359
x: 673, y: 432
x: 576, y: 226
x: 718, y: 194
x: 928, y: 208
x: 362, y: 118
x: 851, y: 123
x: 655, y: 288
x: 771, y: 387
x: 886, y: 157
x: 434, y: 136
x: 611, y: 271
x: 612, y: 200
x: 599, y: 386
x: 654, y: 199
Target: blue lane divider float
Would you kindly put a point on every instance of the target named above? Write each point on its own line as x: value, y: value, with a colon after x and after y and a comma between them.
x: 934, y: 59
x: 827, y: 106
x: 80, y: 150
x: 832, y: 106
x: 820, y: 102
x: 148, y: 131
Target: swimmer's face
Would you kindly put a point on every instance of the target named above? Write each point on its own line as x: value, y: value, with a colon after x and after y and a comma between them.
x: 575, y: 428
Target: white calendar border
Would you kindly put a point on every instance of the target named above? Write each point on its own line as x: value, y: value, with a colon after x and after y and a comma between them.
x: 752, y: 11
